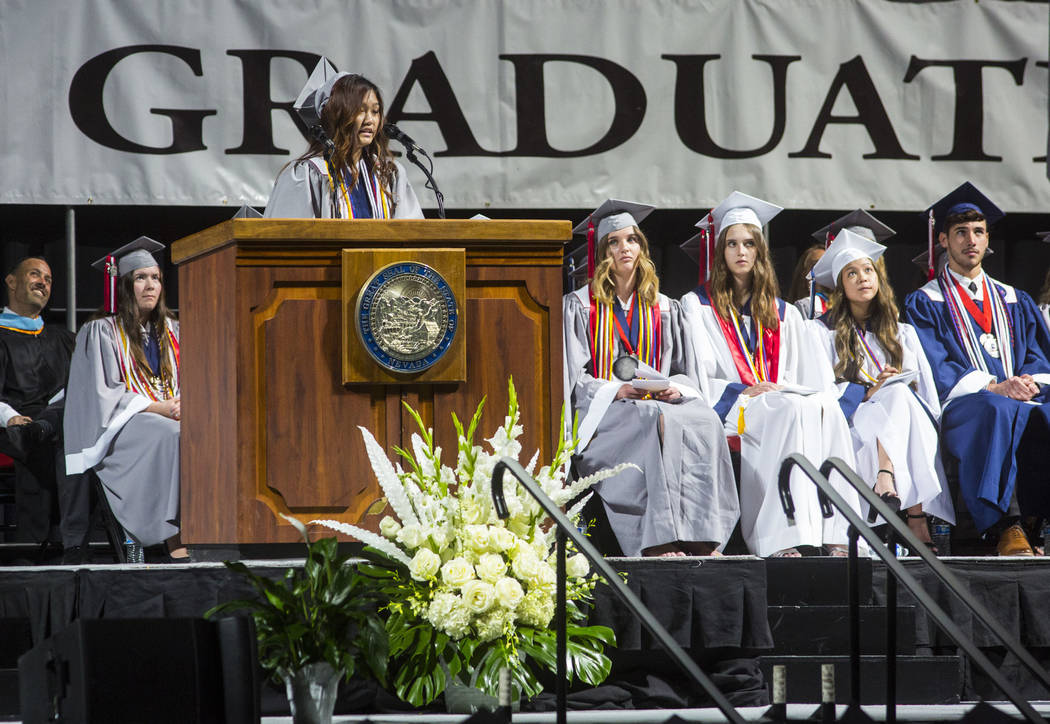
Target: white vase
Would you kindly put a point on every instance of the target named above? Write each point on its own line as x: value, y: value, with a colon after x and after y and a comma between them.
x: 311, y: 692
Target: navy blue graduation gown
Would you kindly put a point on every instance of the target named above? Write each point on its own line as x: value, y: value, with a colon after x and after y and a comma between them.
x: 982, y: 429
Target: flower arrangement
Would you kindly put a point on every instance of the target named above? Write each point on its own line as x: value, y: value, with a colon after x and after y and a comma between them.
x: 467, y: 591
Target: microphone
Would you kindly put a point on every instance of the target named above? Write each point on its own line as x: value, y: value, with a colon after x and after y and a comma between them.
x: 398, y: 135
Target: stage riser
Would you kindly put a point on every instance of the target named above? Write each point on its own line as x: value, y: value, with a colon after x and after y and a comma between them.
x: 824, y: 630
x: 920, y: 679
x: 816, y: 581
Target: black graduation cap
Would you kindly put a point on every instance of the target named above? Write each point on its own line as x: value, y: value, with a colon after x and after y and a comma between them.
x: 859, y: 222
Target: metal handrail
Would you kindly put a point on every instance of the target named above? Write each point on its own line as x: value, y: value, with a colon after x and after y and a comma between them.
x: 566, y: 529
x: 942, y: 619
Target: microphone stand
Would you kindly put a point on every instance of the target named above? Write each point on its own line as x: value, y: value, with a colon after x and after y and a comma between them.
x: 431, y: 184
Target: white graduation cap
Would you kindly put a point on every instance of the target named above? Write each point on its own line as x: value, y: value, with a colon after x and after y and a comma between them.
x: 739, y: 208
x: 611, y: 215
x: 137, y: 254
x: 848, y: 247
x: 315, y: 94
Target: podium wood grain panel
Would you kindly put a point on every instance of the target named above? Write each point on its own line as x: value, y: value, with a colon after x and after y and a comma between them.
x: 267, y: 425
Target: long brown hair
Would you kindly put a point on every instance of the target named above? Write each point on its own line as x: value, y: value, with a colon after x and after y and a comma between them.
x: 339, y: 121
x: 1044, y: 293
x: 603, y: 286
x: 128, y: 317
x: 764, y: 287
x: 883, y: 322
x: 799, y: 288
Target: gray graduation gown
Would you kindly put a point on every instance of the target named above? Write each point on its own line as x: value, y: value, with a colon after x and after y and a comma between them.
x: 301, y: 192
x: 685, y: 489
x: 134, y: 453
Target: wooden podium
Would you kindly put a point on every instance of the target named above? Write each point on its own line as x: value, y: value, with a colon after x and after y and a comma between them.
x: 268, y: 426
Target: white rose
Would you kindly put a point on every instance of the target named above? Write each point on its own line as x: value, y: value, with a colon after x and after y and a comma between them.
x: 491, y: 567
x: 526, y: 564
x: 543, y: 577
x: 477, y: 537
x: 456, y: 572
x: 425, y: 564
x: 503, y: 539
x: 478, y: 596
x: 389, y: 527
x: 411, y: 536
x: 509, y: 592
x: 578, y: 566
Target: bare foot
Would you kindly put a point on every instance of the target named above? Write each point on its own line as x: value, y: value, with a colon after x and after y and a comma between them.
x: 787, y: 553
x: 179, y: 553
x: 837, y: 550
x: 704, y: 548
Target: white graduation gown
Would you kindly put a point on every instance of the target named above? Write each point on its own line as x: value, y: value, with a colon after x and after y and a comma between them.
x: 777, y: 424
x: 685, y: 489
x: 903, y: 419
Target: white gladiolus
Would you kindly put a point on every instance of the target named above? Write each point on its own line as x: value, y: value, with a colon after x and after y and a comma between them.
x: 477, y: 538
x: 503, y: 539
x: 425, y: 565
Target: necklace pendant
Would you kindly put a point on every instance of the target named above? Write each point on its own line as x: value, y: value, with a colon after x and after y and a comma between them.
x: 990, y: 344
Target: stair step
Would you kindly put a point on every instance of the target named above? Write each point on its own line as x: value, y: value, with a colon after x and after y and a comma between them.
x: 824, y: 630
x: 9, y: 702
x: 816, y: 580
x: 16, y: 637
x: 920, y: 679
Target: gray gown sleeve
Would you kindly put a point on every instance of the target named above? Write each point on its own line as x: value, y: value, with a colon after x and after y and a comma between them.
x: 582, y: 385
x: 298, y: 193
x: 405, y: 200
x: 678, y: 354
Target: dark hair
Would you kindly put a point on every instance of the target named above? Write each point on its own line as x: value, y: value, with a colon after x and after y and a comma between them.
x: 963, y: 217
x: 338, y: 119
x: 18, y: 264
x: 128, y: 317
x: 799, y: 284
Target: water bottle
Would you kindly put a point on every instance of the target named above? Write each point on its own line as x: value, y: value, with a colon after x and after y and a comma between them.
x: 133, y: 552
x: 941, y: 535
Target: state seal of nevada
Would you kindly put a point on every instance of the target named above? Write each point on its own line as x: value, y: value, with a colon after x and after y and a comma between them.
x: 406, y: 316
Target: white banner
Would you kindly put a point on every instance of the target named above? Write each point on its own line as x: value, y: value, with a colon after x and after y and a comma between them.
x: 539, y: 103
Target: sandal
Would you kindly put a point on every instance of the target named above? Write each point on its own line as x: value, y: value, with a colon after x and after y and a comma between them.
x: 890, y: 497
x: 786, y: 553
x: 836, y: 550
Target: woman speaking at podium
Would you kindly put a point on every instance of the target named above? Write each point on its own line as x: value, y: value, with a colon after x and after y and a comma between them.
x: 348, y: 171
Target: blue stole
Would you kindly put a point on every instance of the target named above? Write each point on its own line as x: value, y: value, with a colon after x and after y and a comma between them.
x: 17, y: 322
x: 359, y: 202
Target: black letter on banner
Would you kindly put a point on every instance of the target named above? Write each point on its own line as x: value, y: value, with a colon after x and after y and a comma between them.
x: 853, y: 74
x: 258, y: 106
x: 444, y: 108
x: 85, y: 103
x: 967, y: 145
x: 1042, y: 159
x: 690, y: 116
x: 628, y: 96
